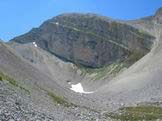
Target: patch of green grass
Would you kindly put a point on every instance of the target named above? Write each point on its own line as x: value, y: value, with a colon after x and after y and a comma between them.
x: 114, y: 68
x: 0, y: 78
x: 57, y: 99
x: 111, y: 69
x: 7, y: 78
x: 142, y: 32
x: 139, y: 113
x: 134, y: 56
x: 4, y: 77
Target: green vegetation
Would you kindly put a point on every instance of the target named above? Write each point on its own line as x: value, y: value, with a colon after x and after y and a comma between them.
x: 112, y: 69
x: 58, y: 99
x: 139, y: 113
x: 7, y: 78
x: 0, y: 78
x: 142, y: 32
x: 13, y: 82
x: 99, y: 73
x: 134, y: 56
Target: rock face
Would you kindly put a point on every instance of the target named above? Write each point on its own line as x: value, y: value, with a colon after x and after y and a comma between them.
x: 158, y: 15
x: 152, y: 24
x: 88, y: 39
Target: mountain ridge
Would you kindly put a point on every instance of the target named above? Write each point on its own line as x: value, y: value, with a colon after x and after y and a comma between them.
x: 36, y: 81
x: 90, y: 34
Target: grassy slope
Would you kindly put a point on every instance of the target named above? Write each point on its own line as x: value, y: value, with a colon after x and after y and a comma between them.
x: 4, y: 77
x: 148, y: 113
x: 114, y: 68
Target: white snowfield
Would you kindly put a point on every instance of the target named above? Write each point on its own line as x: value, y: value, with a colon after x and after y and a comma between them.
x: 79, y: 88
x: 34, y: 43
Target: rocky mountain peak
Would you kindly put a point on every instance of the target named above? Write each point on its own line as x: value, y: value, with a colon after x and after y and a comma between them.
x: 158, y: 15
x: 88, y: 39
x: 159, y: 12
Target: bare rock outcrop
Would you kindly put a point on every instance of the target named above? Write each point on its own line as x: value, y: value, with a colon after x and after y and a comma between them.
x: 88, y: 39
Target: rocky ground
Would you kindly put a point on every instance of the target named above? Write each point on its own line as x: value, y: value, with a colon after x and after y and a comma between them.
x: 16, y: 105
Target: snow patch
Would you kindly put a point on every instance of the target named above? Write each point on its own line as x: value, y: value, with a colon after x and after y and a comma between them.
x: 78, y: 88
x: 57, y: 23
x: 34, y: 43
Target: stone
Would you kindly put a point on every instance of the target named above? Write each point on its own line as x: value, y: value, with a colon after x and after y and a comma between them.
x: 88, y: 39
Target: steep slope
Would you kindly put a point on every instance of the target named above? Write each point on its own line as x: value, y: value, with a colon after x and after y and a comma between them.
x: 45, y: 94
x: 32, y: 63
x: 63, y: 72
x: 88, y: 39
x: 141, y: 82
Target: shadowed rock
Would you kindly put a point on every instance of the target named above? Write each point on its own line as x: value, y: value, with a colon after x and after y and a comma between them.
x: 88, y: 39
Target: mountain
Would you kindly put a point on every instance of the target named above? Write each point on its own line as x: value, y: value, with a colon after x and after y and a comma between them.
x: 158, y: 15
x: 88, y: 39
x: 29, y: 90
x: 79, y: 67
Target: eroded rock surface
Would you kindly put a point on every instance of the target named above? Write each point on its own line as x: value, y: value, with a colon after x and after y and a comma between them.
x: 88, y: 39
